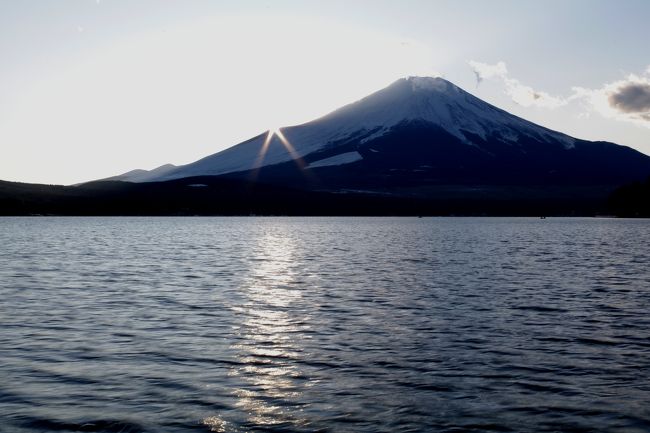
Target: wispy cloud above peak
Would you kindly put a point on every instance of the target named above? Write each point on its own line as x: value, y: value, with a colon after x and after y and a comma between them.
x: 520, y: 93
x: 627, y: 99
x: 485, y: 71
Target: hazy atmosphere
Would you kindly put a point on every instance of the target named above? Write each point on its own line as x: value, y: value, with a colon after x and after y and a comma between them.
x: 94, y: 88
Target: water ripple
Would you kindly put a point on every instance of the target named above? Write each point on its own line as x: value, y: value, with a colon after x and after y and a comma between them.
x: 324, y: 325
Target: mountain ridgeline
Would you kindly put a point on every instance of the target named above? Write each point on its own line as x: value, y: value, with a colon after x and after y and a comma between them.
x: 420, y: 131
x: 420, y: 146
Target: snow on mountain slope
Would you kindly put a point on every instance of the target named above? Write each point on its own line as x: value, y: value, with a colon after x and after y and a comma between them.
x: 425, y: 99
x: 340, y: 159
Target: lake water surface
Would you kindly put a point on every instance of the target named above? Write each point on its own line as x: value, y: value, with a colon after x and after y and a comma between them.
x: 324, y: 324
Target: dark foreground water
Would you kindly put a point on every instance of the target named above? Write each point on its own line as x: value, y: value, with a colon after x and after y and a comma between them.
x: 324, y: 324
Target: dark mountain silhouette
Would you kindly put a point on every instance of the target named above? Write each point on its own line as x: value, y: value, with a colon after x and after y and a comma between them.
x: 213, y: 195
x: 420, y: 146
x: 631, y: 200
x: 418, y: 131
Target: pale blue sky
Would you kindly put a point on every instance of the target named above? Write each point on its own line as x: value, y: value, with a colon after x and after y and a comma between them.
x: 93, y: 88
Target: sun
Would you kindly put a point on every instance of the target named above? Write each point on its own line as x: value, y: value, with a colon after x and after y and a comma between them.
x: 278, y: 135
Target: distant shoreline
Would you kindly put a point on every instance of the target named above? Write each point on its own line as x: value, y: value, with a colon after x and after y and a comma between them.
x: 234, y: 197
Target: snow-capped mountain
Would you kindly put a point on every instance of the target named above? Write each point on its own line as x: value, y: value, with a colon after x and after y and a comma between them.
x: 417, y: 131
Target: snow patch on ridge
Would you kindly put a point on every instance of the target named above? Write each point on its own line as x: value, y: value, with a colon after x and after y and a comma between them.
x: 340, y: 159
x: 374, y: 135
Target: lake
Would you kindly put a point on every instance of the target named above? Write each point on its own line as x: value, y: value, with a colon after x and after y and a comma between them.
x: 324, y: 324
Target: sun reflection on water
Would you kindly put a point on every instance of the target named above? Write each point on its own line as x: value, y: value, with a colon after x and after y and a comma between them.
x: 215, y: 424
x: 270, y: 381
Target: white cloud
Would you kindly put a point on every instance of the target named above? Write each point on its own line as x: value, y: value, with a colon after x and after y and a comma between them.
x: 485, y: 71
x: 527, y: 96
x: 520, y: 93
x: 627, y: 99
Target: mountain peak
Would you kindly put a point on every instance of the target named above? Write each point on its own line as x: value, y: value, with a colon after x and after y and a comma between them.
x: 408, y: 86
x: 436, y: 101
x: 437, y: 84
x: 414, y: 100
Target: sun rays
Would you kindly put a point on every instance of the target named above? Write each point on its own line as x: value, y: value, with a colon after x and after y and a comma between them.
x: 291, y: 150
x: 262, y: 153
